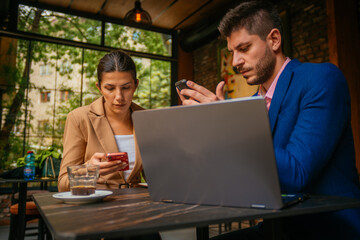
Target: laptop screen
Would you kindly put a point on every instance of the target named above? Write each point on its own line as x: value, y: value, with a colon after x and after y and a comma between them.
x: 219, y: 153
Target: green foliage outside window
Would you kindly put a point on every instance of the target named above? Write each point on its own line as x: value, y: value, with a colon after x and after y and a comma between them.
x: 55, y: 24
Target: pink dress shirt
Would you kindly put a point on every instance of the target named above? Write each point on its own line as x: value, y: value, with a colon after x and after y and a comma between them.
x: 268, y: 95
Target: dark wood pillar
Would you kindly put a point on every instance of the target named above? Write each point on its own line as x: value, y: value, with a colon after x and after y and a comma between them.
x: 185, y: 65
x: 344, y: 51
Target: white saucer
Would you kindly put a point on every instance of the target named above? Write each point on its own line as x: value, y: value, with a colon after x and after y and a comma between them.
x: 67, y: 197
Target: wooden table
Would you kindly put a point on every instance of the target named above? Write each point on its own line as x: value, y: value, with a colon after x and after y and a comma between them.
x: 130, y: 212
x: 20, y: 185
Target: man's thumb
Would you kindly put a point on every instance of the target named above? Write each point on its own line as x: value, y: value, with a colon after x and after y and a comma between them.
x: 220, y: 90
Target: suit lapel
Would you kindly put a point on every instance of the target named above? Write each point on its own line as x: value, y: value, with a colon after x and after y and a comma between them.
x: 102, y: 127
x: 280, y: 91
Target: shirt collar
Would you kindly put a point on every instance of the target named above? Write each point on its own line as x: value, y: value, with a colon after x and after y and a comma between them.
x: 270, y: 92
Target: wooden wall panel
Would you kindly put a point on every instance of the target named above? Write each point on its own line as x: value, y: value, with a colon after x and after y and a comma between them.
x: 344, y: 50
x: 185, y: 66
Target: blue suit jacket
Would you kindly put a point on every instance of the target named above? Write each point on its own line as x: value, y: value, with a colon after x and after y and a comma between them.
x: 310, y: 119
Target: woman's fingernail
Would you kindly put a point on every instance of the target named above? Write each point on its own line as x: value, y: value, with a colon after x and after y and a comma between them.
x: 189, y: 83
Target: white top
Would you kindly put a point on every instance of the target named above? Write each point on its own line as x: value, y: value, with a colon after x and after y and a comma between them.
x: 126, y: 143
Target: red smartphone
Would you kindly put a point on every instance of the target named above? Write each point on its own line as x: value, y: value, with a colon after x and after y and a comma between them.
x: 122, y: 156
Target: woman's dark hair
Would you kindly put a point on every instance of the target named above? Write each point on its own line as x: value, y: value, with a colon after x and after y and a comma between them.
x: 116, y: 61
x: 257, y: 17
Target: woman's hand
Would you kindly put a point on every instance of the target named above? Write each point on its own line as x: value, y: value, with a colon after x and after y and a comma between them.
x: 199, y: 94
x: 106, y: 167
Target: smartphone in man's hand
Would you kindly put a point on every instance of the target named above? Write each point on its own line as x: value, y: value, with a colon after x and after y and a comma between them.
x: 122, y: 156
x: 181, y: 84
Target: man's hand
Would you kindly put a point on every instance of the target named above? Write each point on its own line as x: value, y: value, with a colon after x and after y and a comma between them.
x: 199, y: 94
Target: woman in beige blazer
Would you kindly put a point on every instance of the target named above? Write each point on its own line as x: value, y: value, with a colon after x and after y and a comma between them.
x: 90, y: 130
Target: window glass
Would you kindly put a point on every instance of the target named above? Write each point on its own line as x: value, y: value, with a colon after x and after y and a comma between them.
x: 65, y: 68
x: 42, y: 89
x: 44, y: 127
x: 58, y: 93
x: 68, y: 88
x: 56, y: 24
x: 65, y: 95
x: 45, y: 70
x: 128, y: 38
x: 91, y: 61
x: 154, y: 83
x: 45, y: 97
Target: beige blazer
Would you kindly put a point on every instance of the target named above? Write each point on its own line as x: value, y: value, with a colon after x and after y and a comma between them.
x: 87, y: 131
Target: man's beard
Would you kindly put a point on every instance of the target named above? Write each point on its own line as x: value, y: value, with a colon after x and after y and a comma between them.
x: 264, y: 68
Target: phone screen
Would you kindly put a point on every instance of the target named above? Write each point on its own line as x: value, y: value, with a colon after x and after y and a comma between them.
x: 181, y: 84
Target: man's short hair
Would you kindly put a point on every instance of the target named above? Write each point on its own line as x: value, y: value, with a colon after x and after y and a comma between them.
x: 257, y: 17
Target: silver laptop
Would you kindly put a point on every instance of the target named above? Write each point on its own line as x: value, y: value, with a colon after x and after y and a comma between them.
x: 219, y: 153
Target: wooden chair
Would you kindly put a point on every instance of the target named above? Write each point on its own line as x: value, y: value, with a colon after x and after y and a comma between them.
x: 31, y: 213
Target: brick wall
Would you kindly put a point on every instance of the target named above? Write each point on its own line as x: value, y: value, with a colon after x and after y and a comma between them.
x: 308, y: 27
x: 206, y: 65
x: 309, y: 40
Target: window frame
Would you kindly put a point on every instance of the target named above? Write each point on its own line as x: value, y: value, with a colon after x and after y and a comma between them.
x: 45, y: 96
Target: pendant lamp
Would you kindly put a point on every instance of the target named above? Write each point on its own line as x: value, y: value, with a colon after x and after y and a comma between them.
x: 138, y: 15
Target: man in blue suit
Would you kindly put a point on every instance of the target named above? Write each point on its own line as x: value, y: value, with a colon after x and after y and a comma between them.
x: 309, y: 112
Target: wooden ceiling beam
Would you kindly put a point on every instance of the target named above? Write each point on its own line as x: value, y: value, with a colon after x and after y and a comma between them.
x: 192, y: 14
x: 164, y: 10
x: 102, y: 7
x: 70, y: 3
